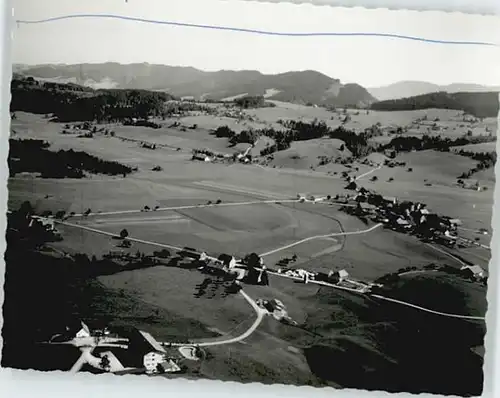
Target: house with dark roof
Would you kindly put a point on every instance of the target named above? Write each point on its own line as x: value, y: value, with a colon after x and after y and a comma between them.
x: 151, y: 341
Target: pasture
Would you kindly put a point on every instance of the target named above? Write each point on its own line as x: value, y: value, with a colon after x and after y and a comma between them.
x: 173, y: 290
x: 237, y: 230
x: 172, y: 302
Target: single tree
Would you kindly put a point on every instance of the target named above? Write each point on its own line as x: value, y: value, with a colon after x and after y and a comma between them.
x: 123, y: 233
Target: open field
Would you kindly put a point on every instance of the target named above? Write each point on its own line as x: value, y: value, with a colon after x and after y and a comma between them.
x: 184, y: 182
x: 482, y: 147
x: 332, y: 325
x: 430, y: 166
x: 156, y: 189
x: 173, y: 289
x: 235, y: 229
x: 305, y: 155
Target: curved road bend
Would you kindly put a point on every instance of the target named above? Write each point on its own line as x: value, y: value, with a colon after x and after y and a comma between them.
x: 260, y: 315
x: 260, y: 312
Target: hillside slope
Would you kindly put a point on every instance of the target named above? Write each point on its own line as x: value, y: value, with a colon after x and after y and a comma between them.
x: 483, y: 104
x: 406, y: 89
x: 299, y: 87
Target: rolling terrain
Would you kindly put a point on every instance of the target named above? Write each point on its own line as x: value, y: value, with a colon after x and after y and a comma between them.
x: 301, y: 87
x: 238, y: 208
x: 413, y: 88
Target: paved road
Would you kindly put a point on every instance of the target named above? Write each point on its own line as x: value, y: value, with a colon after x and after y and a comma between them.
x: 319, y: 237
x: 82, y: 360
x: 281, y: 275
x: 174, y: 208
x: 260, y: 315
x: 447, y: 254
x: 98, y: 231
x: 428, y: 310
x: 255, y: 202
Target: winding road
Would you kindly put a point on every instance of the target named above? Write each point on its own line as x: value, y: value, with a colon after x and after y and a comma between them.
x: 427, y: 309
x: 364, y: 231
x: 260, y: 315
x: 289, y: 277
x: 86, y: 353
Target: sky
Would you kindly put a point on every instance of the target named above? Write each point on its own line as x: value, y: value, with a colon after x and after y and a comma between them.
x: 369, y: 61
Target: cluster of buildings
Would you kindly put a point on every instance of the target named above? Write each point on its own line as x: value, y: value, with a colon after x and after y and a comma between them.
x: 46, y: 224
x: 407, y: 217
x: 240, y: 270
x: 203, y: 155
x: 139, y: 353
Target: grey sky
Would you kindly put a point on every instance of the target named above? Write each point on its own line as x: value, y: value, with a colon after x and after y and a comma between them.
x: 369, y: 61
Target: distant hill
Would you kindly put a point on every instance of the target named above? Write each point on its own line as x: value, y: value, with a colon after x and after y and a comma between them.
x: 298, y: 87
x: 73, y: 102
x: 406, y: 89
x: 479, y: 104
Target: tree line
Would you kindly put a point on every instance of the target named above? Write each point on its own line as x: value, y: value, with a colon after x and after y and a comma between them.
x: 70, y: 103
x: 482, y: 104
x: 253, y: 101
x: 485, y: 161
x: 33, y: 156
x: 357, y: 143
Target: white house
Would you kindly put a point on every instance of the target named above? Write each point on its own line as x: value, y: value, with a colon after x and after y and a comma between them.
x: 156, y: 362
x: 169, y: 366
x: 47, y: 223
x: 203, y: 256
x: 83, y: 332
x: 339, y: 275
x: 343, y: 275
x: 232, y: 263
x: 152, y: 360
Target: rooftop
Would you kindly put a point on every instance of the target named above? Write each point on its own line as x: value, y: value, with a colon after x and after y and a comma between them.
x: 152, y: 341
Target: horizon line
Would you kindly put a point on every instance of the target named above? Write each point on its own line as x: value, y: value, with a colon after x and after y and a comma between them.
x: 258, y: 31
x: 48, y: 64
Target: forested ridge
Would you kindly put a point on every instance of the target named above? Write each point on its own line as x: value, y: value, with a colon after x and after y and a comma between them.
x: 480, y: 104
x: 70, y: 102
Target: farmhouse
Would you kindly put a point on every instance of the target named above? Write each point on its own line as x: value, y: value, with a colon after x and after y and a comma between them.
x: 46, y: 223
x: 338, y: 276
x: 156, y: 362
x: 474, y: 271
x: 84, y: 332
x: 228, y: 261
x: 202, y: 157
x: 151, y: 342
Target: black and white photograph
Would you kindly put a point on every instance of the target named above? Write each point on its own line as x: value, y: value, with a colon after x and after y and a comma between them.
x: 251, y: 192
